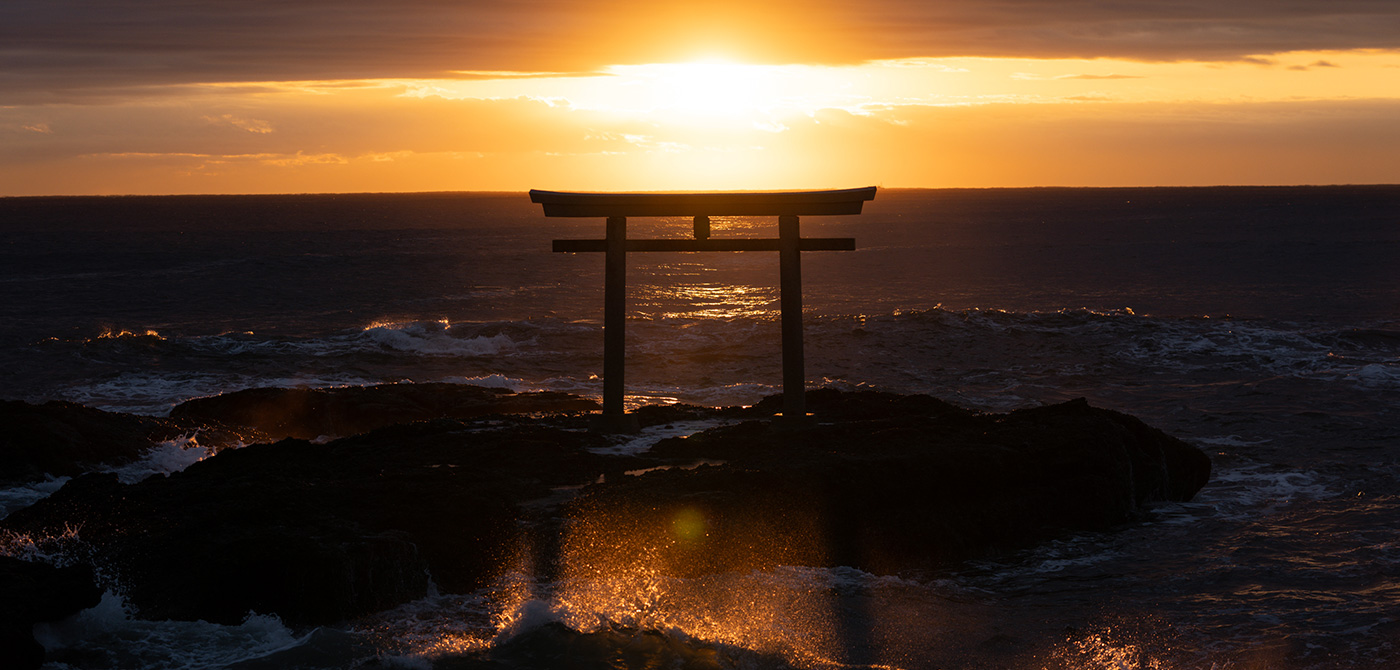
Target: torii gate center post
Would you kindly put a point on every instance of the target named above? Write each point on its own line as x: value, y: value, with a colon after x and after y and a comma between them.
x: 787, y: 206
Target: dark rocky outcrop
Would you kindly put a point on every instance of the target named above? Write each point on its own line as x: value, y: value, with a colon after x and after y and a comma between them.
x: 891, y: 483
x: 67, y: 439
x: 33, y: 592
x: 321, y: 532
x: 338, y: 412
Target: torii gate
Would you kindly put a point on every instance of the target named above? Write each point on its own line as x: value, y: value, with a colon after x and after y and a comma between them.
x: 787, y: 206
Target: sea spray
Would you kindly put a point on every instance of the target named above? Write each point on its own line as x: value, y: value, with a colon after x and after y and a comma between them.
x: 166, y: 457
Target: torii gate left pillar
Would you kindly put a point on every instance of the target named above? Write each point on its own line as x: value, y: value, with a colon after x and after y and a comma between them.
x: 787, y: 206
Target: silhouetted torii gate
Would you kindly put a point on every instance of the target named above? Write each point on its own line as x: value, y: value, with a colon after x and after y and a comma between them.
x: 787, y: 206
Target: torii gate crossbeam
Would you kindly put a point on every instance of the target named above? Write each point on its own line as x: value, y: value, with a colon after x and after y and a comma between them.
x: 787, y: 206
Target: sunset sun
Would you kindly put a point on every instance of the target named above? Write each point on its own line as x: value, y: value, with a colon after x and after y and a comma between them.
x: 705, y: 88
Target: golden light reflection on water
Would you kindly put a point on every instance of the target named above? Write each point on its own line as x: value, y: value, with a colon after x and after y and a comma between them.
x: 711, y: 301
x: 117, y: 334
x: 720, y: 226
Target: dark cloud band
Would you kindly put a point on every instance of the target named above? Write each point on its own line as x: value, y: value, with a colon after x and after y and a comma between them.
x: 48, y: 47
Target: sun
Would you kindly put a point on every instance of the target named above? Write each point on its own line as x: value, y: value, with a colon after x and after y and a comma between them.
x: 705, y: 88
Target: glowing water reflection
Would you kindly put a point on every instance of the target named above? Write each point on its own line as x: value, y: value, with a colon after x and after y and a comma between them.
x: 708, y: 301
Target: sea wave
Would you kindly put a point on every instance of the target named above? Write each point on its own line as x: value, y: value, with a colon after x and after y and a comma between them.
x: 438, y: 338
x: 165, y: 457
x: 990, y: 359
x: 111, y: 631
x: 24, y: 495
x: 154, y: 393
x: 1110, y: 344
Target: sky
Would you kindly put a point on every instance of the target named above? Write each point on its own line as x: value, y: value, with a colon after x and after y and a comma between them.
x: 269, y: 96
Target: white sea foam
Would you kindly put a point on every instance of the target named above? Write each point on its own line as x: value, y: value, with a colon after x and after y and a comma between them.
x: 1249, y: 490
x: 1192, y: 345
x: 154, y: 394
x: 111, y: 629
x: 146, y: 392
x: 164, y: 458
x: 513, y: 384
x: 1073, y: 552
x: 22, y: 496
x: 1377, y: 376
x: 1195, y: 344
x: 649, y: 436
x: 437, y: 339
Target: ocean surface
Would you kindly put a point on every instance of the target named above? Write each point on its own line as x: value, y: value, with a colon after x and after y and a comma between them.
x: 1260, y: 324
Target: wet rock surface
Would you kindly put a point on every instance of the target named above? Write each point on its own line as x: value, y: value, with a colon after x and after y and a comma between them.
x: 66, y: 439
x: 312, y: 413
x: 888, y: 483
x: 318, y: 533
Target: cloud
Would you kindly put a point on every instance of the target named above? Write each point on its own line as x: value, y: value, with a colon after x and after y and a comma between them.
x: 250, y: 125
x: 1314, y: 64
x: 50, y: 48
x: 1099, y: 76
x: 299, y: 159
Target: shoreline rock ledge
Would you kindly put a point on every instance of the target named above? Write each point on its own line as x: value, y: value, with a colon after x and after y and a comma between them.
x: 320, y: 533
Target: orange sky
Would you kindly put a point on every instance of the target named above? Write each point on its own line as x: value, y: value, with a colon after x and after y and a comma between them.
x: 425, y: 95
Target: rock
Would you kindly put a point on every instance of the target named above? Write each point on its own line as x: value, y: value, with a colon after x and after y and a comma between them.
x: 920, y: 484
x: 317, y: 533
x: 61, y: 438
x: 36, y: 592
x: 66, y: 439
x: 312, y: 413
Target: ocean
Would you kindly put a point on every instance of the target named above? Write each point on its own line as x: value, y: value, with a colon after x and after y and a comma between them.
x: 1261, y: 324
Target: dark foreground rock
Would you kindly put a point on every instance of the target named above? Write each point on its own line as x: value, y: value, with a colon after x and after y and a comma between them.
x: 34, y: 592
x: 312, y: 413
x: 66, y: 439
x: 892, y: 483
x: 319, y: 533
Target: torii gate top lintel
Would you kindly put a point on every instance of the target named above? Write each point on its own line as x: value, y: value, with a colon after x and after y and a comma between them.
x: 786, y: 205
x: 719, y: 203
